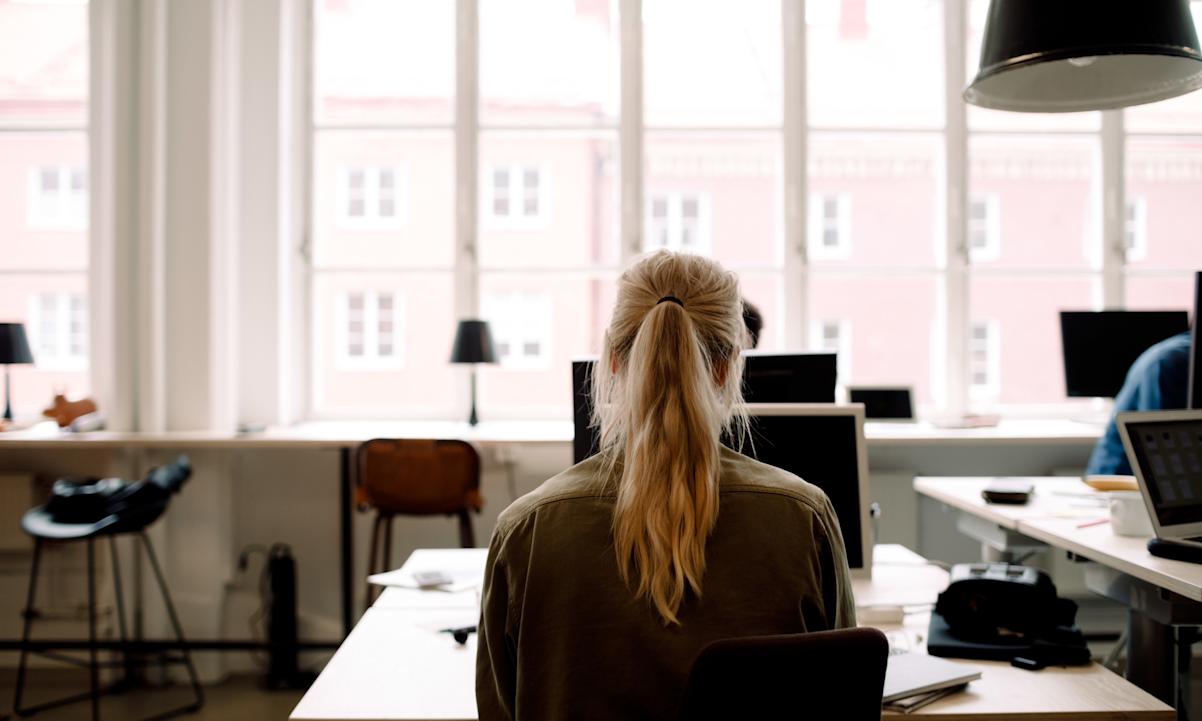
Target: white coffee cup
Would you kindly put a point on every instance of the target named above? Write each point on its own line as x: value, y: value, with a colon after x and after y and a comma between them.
x: 1128, y: 514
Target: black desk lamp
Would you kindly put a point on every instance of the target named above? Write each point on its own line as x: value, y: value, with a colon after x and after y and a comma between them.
x: 473, y: 344
x: 14, y: 348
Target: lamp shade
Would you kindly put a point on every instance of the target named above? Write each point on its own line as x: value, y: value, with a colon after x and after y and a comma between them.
x: 473, y: 343
x: 1055, y: 56
x: 14, y: 346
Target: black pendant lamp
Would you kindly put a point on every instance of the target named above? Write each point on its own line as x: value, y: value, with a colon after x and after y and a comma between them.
x: 1064, y: 56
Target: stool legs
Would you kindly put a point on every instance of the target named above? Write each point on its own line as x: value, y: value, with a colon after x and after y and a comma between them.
x: 179, y: 633
x: 125, y: 659
x: 467, y: 539
x: 94, y: 666
x: 28, y: 613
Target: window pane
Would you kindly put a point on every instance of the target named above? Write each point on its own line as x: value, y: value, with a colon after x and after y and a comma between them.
x: 44, y: 64
x: 415, y: 232
x: 889, y: 324
x: 382, y: 61
x: 985, y: 119
x: 712, y: 63
x: 569, y: 219
x: 398, y: 369
x: 734, y: 182
x: 541, y: 322
x: 1160, y: 292
x: 1165, y: 175
x: 1023, y: 314
x: 890, y: 186
x: 518, y: 83
x: 894, y: 47
x: 1179, y: 114
x: 1048, y: 192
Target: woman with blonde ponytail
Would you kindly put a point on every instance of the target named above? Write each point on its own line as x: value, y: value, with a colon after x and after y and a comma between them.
x: 604, y: 583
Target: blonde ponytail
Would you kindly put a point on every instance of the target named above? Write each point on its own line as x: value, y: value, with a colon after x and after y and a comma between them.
x: 666, y: 388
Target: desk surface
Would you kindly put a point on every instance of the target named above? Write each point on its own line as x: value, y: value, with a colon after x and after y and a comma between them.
x: 345, y: 434
x: 395, y: 665
x: 1056, y: 519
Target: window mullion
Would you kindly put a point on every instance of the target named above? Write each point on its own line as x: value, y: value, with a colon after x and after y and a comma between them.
x: 955, y: 295
x: 1114, y: 210
x: 795, y: 144
x: 630, y: 129
x: 467, y: 147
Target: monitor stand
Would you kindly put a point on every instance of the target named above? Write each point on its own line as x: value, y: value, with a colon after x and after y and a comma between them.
x: 1175, y: 550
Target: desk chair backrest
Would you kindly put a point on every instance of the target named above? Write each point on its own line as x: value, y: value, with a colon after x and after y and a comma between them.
x: 822, y: 675
x: 419, y: 477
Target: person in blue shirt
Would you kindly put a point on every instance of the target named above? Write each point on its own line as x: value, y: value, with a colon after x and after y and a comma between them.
x: 1158, y: 380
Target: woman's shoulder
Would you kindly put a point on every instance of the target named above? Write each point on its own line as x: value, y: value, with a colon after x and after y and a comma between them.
x: 743, y: 474
x: 584, y: 481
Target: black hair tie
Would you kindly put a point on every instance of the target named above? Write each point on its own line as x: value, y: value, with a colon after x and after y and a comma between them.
x: 671, y: 299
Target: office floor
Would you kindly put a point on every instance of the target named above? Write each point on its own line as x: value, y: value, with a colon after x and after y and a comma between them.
x: 240, y: 698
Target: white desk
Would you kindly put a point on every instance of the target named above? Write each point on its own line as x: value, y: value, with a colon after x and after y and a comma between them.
x: 395, y: 665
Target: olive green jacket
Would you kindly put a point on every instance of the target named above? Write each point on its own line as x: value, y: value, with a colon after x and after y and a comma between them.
x: 563, y: 638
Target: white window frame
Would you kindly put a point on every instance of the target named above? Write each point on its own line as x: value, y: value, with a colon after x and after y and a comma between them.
x: 952, y: 269
x: 372, y: 197
x: 674, y: 223
x: 819, y: 223
x: 1135, y: 229
x: 537, y: 313
x: 517, y: 202
x: 64, y: 209
x: 371, y: 360
x: 843, y: 347
x: 991, y: 389
x: 60, y: 357
x: 989, y: 227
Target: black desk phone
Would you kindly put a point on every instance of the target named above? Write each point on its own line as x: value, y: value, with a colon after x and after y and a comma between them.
x: 1008, y: 490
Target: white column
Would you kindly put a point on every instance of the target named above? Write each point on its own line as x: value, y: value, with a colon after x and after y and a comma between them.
x: 954, y: 293
x: 1114, y: 210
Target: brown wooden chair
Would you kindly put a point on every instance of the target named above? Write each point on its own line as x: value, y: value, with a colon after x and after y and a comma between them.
x: 416, y: 478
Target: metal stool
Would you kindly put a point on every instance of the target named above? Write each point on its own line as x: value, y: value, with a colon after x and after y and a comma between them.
x: 39, y: 524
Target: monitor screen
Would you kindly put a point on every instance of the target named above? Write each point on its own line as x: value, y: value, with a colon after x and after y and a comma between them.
x: 887, y: 403
x: 767, y: 378
x: 1194, y: 399
x: 1099, y: 347
x: 823, y: 448
x: 1168, y: 455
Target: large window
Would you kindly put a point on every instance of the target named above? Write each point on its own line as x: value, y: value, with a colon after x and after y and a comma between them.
x: 44, y: 195
x: 948, y: 237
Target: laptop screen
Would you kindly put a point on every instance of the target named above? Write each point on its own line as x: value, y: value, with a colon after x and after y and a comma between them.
x: 1169, y: 455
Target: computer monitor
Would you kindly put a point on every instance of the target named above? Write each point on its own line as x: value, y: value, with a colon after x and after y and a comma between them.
x: 823, y: 443
x: 1100, y: 346
x: 767, y: 378
x: 880, y: 403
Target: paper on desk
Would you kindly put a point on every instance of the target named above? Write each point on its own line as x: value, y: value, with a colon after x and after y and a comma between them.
x: 401, y: 578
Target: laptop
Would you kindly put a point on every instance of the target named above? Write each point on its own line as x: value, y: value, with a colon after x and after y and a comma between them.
x: 912, y: 674
x: 1165, y: 450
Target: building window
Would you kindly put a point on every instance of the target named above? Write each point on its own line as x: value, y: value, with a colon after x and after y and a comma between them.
x: 58, y: 198
x: 834, y: 336
x: 984, y: 228
x: 371, y: 197
x: 678, y: 221
x: 371, y: 330
x: 984, y: 361
x: 1136, y: 228
x: 58, y: 328
x: 830, y: 226
x: 521, y: 328
x: 516, y: 195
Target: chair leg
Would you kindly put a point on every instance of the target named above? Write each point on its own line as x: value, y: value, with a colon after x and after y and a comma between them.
x: 94, y: 666
x: 387, y: 544
x: 467, y: 539
x: 179, y: 633
x: 369, y: 596
x: 28, y: 625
